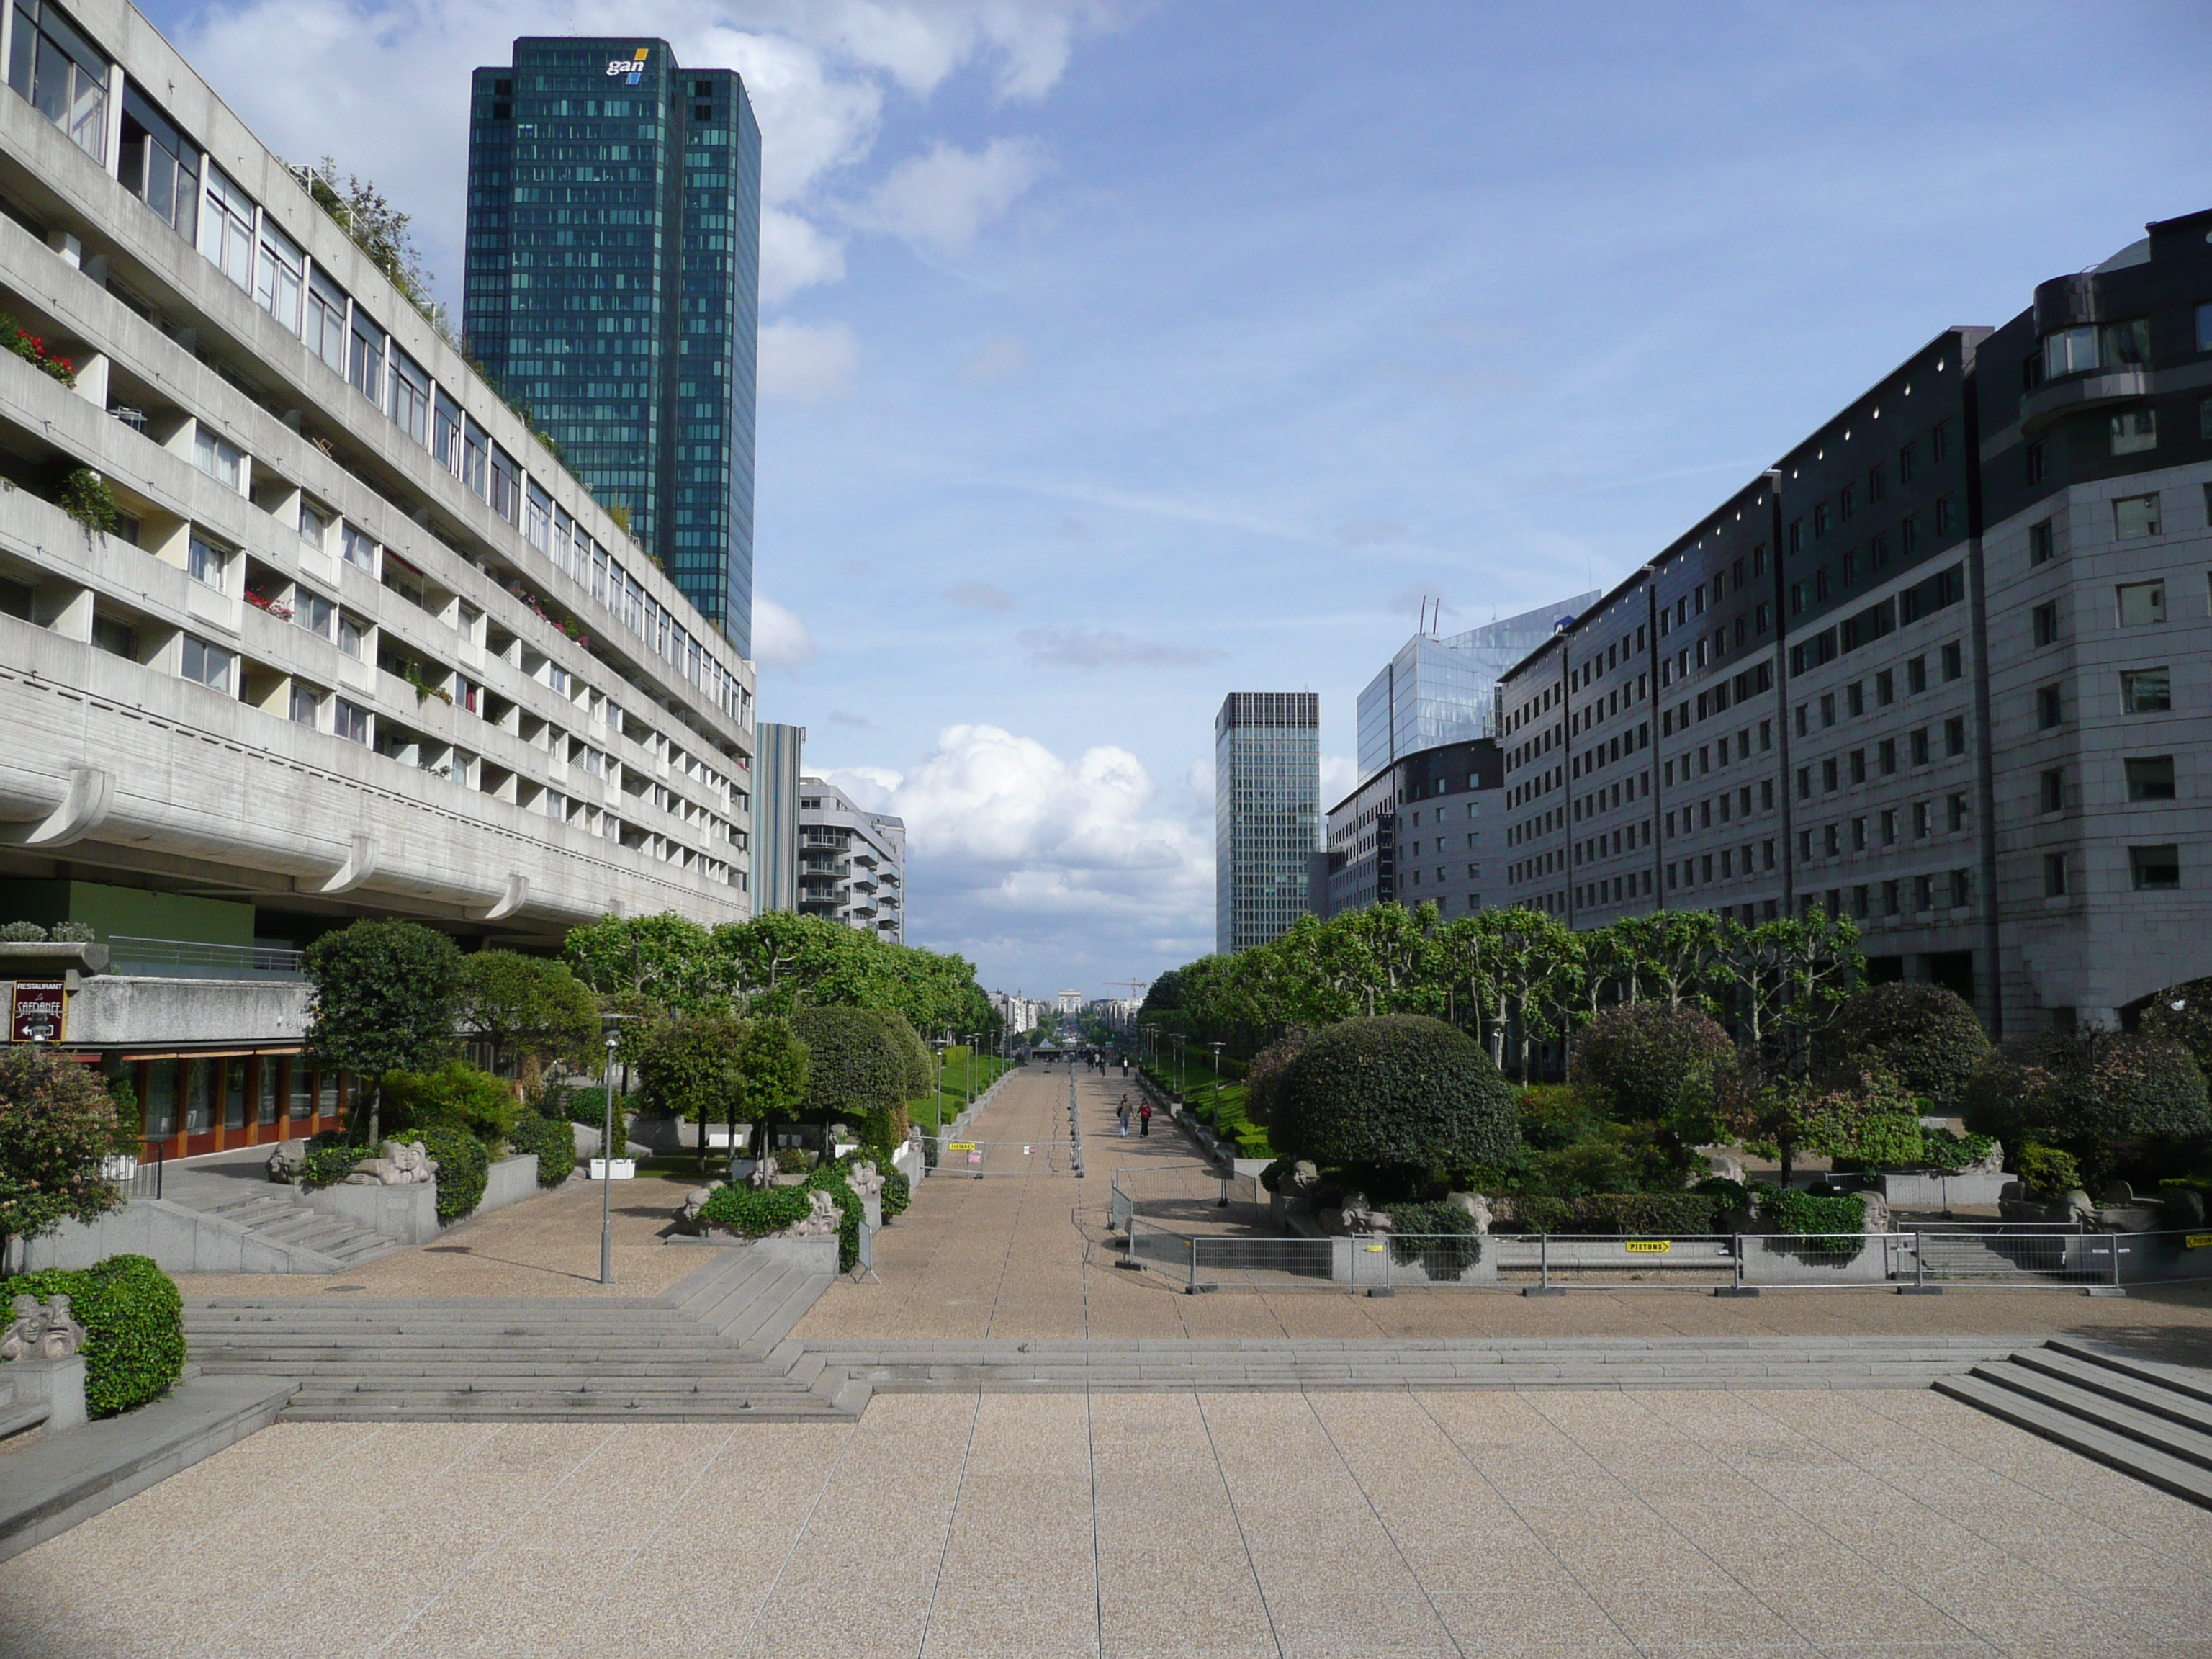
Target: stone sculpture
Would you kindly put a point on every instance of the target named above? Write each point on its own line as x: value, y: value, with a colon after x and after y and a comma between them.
x: 1989, y: 1164
x: 289, y: 1159
x: 863, y: 1178
x: 1476, y: 1206
x: 1360, y: 1219
x: 1725, y: 1167
x: 764, y: 1173
x: 1877, y: 1213
x: 687, y: 1213
x: 47, y: 1331
x: 402, y: 1165
x: 821, y: 1221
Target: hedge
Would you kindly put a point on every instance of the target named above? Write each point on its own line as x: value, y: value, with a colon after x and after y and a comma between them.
x: 553, y: 1139
x: 830, y: 1178
x: 1632, y: 1213
x: 756, y: 1212
x: 1796, y: 1211
x: 897, y: 1193
x: 1439, y: 1229
x: 135, y: 1324
x: 464, y: 1167
x: 1401, y: 1091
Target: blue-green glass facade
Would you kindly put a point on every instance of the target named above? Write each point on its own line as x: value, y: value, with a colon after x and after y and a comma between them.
x: 613, y: 287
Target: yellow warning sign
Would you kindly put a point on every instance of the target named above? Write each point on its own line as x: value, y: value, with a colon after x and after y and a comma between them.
x: 2198, y: 1241
x: 1649, y: 1246
x: 960, y: 1145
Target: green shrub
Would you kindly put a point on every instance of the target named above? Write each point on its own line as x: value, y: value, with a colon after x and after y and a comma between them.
x: 456, y: 1095
x: 1945, y: 1151
x: 327, y: 1164
x: 2086, y: 1090
x: 2183, y: 1014
x: 589, y: 1107
x: 1657, y: 1060
x: 1889, y: 1140
x: 73, y: 933
x: 22, y: 932
x: 1630, y: 1213
x: 857, y: 1061
x: 85, y: 496
x: 1441, y: 1229
x: 755, y: 1213
x: 2185, y: 1201
x: 463, y: 1166
x: 1399, y: 1092
x: 2047, y: 1171
x: 1793, y: 1210
x: 897, y: 1193
x: 553, y: 1139
x: 830, y: 1178
x: 134, y: 1325
x: 1553, y: 1117
x: 1925, y: 1036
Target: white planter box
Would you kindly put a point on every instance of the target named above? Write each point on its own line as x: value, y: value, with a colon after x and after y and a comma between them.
x: 621, y: 1168
x: 118, y: 1166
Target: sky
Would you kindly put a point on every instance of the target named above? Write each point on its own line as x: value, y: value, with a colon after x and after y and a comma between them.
x: 1116, y: 356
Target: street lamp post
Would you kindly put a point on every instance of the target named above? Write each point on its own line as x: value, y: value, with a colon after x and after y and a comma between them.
x: 607, y: 1168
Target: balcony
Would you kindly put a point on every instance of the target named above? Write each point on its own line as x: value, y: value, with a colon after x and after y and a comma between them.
x: 2049, y: 402
x: 176, y: 958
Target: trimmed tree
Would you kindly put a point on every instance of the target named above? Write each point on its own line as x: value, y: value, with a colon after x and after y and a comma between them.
x: 856, y: 1066
x: 771, y: 1067
x: 528, y: 1007
x: 689, y: 1069
x: 1926, y: 1037
x: 1659, y: 1062
x: 1402, y: 1095
x: 2088, y: 1091
x: 56, y: 1122
x: 456, y: 1095
x: 382, y: 1001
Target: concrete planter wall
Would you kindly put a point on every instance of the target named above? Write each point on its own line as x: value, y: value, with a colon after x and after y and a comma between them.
x: 509, y: 1180
x: 179, y: 1241
x: 666, y: 1137
x: 408, y: 1213
x: 1943, y: 1192
x: 1781, y: 1259
x: 1365, y: 1262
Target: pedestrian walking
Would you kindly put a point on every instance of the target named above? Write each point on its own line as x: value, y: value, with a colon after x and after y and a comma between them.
x: 1145, y: 1119
x: 1123, y: 1114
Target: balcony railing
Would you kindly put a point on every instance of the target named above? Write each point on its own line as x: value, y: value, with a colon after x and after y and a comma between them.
x: 177, y: 958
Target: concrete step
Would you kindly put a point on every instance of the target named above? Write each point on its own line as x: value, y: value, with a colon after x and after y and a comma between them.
x: 2168, y: 1404
x: 448, y: 1407
x: 2147, y: 1463
x: 2190, y: 1384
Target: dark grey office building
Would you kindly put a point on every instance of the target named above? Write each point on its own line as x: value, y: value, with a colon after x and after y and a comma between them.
x: 1266, y: 813
x: 1413, y: 834
x: 1942, y: 669
x: 613, y: 288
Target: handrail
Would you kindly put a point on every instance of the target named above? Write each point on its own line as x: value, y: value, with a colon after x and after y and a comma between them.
x: 193, y: 953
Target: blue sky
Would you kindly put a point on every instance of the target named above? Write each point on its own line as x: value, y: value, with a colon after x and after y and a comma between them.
x: 1118, y: 356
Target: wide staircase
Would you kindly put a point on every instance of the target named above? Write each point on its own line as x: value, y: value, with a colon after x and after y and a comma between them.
x: 2153, y: 1421
x: 276, y: 1216
x: 715, y: 1347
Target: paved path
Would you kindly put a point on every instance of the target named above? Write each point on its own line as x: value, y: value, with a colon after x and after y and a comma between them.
x: 1220, y: 1525
x: 1015, y: 1258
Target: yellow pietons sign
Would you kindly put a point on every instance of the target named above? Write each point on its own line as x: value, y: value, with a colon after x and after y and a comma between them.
x: 959, y: 1145
x: 1649, y: 1246
x: 2198, y: 1241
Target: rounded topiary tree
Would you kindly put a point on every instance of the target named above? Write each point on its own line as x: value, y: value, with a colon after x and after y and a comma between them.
x: 1653, y: 1060
x: 1928, y: 1038
x: 1401, y: 1095
x: 857, y: 1067
x: 2087, y: 1091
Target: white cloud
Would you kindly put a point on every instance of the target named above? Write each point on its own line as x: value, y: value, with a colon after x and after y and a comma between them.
x: 796, y: 253
x: 805, y: 362
x: 779, y: 637
x: 1007, y: 842
x: 1082, y: 648
x: 943, y: 198
x: 1338, y: 775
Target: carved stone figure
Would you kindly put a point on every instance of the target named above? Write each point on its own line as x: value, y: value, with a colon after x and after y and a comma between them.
x: 1360, y: 1219
x: 1989, y: 1165
x: 1476, y: 1206
x: 687, y: 1213
x: 821, y: 1221
x: 863, y: 1178
x: 37, y: 1332
x: 1877, y: 1212
x: 1302, y: 1178
x: 1727, y: 1167
x: 287, y: 1160
x: 764, y: 1175
x: 402, y: 1165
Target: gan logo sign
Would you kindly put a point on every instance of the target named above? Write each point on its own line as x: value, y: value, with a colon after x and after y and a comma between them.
x: 632, y: 70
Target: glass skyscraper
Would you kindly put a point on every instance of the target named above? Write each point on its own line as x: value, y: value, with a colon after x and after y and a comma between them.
x: 1266, y: 813
x: 1437, y: 691
x: 613, y: 289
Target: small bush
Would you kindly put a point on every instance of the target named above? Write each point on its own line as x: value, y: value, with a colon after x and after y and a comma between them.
x: 85, y: 496
x: 2047, y: 1171
x: 553, y: 1139
x: 457, y: 1096
x: 589, y: 1107
x: 2183, y: 1014
x: 1795, y: 1211
x: 22, y: 932
x: 1928, y: 1038
x: 464, y: 1167
x: 1656, y: 1061
x: 897, y: 1193
x: 73, y: 933
x: 1942, y: 1150
x: 326, y: 1165
x: 134, y: 1325
x: 1440, y: 1229
x: 1889, y: 1140
x: 2087, y: 1090
x: 1632, y: 1213
x: 755, y: 1213
x: 830, y: 1178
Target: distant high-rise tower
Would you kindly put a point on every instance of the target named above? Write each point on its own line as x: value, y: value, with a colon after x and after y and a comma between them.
x: 778, y: 764
x: 1266, y: 812
x: 613, y: 289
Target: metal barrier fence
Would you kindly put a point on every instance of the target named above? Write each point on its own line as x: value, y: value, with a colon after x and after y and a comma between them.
x: 1553, y: 1263
x: 189, y: 959
x: 136, y: 1175
x: 959, y: 1155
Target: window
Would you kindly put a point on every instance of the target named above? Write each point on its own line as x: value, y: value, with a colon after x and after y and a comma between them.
x: 1832, y: 840
x: 1889, y: 826
x: 353, y: 634
x: 303, y: 705
x: 2037, y: 457
x: 312, y: 611
x: 2051, y: 793
x: 2151, y: 778
x: 2135, y: 516
x: 226, y: 228
x: 2040, y: 548
x: 1796, y: 598
x: 326, y: 320
x: 1954, y: 813
x: 1918, y: 741
x: 2069, y: 351
x: 159, y: 166
x: 537, y: 521
x: 2048, y: 713
x: 411, y: 397
x: 206, y: 562
x: 1858, y: 766
x: 350, y: 722
x: 356, y: 545
x: 1943, y: 510
x: 1920, y: 820
x: 2147, y: 691
x: 2142, y: 603
x: 1804, y: 783
x: 1908, y: 532
x: 1962, y: 888
x: 1955, y: 661
x: 1938, y: 439
x: 1954, y: 736
x: 1858, y: 835
x: 2135, y: 430
x: 1885, y: 688
x: 2045, y: 619
x: 506, y: 496
x: 2155, y: 869
x: 218, y: 458
x: 1888, y: 753
x: 62, y: 74
x: 365, y: 364
x: 1924, y: 893
x: 276, y: 277
x: 2204, y: 326
x: 1915, y: 675
x: 1828, y: 775
x: 207, y: 665
x: 1889, y: 898
x: 1828, y: 710
x: 2054, y: 875
x: 1907, y: 463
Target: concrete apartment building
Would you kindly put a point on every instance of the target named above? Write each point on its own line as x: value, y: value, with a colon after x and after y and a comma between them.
x: 852, y: 862
x: 1266, y: 813
x: 1413, y: 834
x: 358, y: 644
x: 1940, y: 669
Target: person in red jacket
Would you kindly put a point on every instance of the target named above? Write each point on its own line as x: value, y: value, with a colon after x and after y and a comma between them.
x: 1145, y: 1118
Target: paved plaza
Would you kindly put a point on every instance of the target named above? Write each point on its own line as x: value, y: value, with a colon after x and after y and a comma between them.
x: 1191, y: 1521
